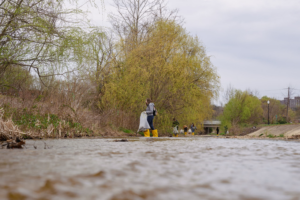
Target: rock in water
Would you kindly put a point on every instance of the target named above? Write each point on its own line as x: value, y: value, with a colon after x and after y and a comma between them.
x: 122, y: 140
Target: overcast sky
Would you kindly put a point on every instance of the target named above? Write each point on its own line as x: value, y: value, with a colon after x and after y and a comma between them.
x: 253, y: 43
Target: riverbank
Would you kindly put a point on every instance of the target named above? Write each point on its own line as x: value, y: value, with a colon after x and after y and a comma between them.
x: 286, y: 131
x: 247, y: 137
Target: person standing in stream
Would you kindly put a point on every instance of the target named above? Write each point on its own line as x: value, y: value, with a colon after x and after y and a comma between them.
x: 175, y: 125
x: 150, y: 116
x: 193, y: 128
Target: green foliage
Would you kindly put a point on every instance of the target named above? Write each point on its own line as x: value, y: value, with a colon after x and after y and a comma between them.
x: 170, y: 67
x: 242, y: 108
x: 126, y: 130
x: 28, y: 119
x: 282, y: 121
x: 276, y: 110
x: 271, y: 136
x: 39, y: 98
x: 225, y: 129
x: 141, y: 133
x: 38, y: 36
x: 281, y: 135
x: 260, y: 135
x: 15, y: 78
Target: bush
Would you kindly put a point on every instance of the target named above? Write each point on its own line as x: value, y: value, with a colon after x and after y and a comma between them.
x: 282, y: 121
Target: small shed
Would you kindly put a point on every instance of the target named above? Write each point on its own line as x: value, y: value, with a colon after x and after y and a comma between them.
x: 210, y: 126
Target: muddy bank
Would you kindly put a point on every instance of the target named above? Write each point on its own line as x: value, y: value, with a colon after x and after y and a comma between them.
x: 246, y: 137
x: 286, y: 131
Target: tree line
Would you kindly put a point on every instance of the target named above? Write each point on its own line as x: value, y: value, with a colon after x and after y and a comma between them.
x: 246, y: 109
x: 147, y: 53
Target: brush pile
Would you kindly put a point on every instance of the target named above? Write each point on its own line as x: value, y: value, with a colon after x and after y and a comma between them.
x: 10, y: 133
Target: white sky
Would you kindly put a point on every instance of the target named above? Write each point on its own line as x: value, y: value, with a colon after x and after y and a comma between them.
x: 253, y: 43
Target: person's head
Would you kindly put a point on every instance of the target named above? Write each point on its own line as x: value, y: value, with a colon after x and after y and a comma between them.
x: 174, y: 119
x: 192, y: 124
x: 148, y: 101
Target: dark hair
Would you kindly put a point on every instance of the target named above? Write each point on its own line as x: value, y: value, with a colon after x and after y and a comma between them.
x: 149, y: 101
x: 174, y: 118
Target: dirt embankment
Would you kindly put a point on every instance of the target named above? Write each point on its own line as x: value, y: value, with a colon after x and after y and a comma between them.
x: 280, y: 130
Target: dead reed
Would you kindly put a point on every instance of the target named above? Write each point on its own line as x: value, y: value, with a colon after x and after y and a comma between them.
x: 68, y: 109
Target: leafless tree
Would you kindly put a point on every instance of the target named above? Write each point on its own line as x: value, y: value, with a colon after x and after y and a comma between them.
x: 134, y: 18
x: 228, y: 94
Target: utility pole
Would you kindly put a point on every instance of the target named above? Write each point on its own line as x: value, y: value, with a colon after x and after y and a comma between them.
x: 287, y: 105
x: 268, y: 112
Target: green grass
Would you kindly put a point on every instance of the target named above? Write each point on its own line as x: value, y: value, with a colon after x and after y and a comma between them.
x: 260, y: 135
x: 281, y: 135
x: 271, y: 136
x: 141, y: 133
x: 126, y: 130
x: 34, y: 120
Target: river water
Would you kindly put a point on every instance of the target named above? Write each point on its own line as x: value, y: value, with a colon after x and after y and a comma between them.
x: 162, y: 168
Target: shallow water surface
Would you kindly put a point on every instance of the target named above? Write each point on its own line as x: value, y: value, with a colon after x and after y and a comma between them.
x: 162, y: 168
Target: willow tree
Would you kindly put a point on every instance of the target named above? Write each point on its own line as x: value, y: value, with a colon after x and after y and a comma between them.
x: 170, y: 67
x: 242, y: 107
x: 38, y: 35
x: 99, y: 56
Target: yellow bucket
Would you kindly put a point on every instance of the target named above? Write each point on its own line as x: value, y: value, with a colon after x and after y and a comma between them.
x: 147, y: 133
x: 155, y: 133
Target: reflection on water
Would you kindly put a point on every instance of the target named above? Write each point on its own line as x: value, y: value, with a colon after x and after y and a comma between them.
x: 164, y: 168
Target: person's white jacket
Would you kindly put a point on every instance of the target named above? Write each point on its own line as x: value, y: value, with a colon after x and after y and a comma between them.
x: 150, y: 109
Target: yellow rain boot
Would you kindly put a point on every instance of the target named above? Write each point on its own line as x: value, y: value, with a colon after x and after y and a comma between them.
x: 155, y: 133
x: 193, y: 133
x: 185, y: 133
x: 176, y: 134
x: 147, y: 133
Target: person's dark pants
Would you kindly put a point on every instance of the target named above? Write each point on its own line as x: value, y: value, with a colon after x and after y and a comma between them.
x: 150, y: 121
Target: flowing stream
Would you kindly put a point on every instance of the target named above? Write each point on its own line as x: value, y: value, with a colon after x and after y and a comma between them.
x: 162, y: 168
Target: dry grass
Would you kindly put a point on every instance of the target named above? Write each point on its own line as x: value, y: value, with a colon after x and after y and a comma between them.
x: 75, y: 106
x: 8, y: 130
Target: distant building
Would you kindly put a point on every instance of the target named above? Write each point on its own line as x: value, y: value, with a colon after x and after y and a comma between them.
x: 294, y: 103
x: 211, y: 124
